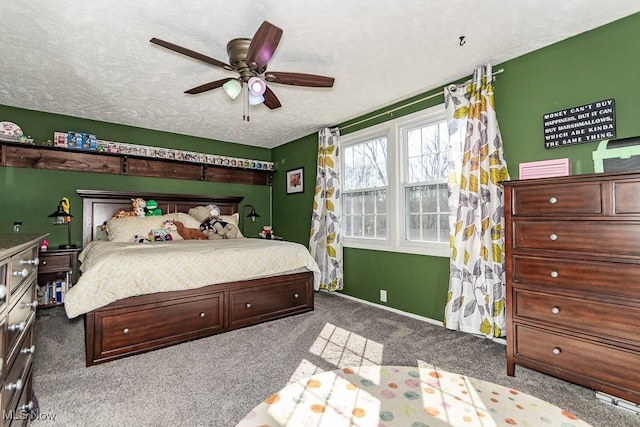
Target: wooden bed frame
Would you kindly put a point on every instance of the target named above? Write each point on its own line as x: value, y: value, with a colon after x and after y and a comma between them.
x: 148, y: 322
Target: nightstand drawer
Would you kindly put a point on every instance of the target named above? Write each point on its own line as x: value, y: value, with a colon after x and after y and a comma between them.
x: 20, y: 317
x: 52, y: 263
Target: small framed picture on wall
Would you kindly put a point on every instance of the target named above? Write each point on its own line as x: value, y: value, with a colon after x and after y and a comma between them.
x: 295, y: 181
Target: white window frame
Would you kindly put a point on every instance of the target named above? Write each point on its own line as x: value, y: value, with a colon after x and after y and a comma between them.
x: 393, y: 131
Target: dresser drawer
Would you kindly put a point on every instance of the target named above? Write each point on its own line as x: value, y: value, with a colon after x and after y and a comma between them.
x: 126, y: 330
x: 583, y: 199
x: 17, y: 378
x: 590, y: 316
x: 20, y: 318
x: 627, y: 197
x: 254, y: 305
x: 4, y: 283
x: 610, y: 278
x: 23, y: 265
x: 600, y: 237
x: 589, y: 360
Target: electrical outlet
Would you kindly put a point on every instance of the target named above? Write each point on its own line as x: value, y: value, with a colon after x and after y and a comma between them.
x: 383, y: 295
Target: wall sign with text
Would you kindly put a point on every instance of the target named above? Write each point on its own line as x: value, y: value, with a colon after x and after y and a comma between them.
x: 576, y: 125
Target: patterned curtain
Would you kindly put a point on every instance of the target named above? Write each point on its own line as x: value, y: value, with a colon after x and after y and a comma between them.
x: 476, y: 297
x: 325, y: 242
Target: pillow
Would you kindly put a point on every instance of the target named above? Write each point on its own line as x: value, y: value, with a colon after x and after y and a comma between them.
x: 124, y: 229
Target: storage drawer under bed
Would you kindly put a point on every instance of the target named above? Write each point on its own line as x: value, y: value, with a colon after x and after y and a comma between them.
x: 145, y: 327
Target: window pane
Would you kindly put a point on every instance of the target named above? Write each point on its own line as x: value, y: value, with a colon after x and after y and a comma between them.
x: 381, y: 226
x: 370, y: 226
x: 430, y: 228
x: 347, y: 208
x: 414, y: 195
x: 357, y: 204
x: 357, y: 226
x: 381, y: 202
x: 430, y: 198
x: 413, y: 227
x: 369, y: 202
x: 444, y: 228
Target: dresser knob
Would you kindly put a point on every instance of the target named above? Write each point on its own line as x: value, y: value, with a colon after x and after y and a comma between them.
x: 296, y: 295
x: 554, y: 274
x: 14, y: 386
x: 553, y: 236
x: 17, y: 326
x: 34, y: 261
x: 553, y: 200
x: 33, y: 304
x: 202, y: 314
x: 22, y: 273
x: 125, y: 331
x: 248, y: 305
x: 555, y: 310
x: 26, y: 408
x: 28, y: 350
x: 556, y: 351
x: 3, y: 291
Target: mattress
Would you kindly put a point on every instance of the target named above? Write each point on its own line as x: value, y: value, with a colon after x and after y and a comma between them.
x: 111, y: 271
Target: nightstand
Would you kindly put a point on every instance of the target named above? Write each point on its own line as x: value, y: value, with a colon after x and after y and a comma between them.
x: 57, y: 272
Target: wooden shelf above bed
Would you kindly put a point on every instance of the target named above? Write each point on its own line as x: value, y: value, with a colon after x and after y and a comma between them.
x: 46, y: 157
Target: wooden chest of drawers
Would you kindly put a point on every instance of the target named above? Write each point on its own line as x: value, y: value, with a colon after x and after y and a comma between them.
x: 573, y: 279
x: 18, y: 271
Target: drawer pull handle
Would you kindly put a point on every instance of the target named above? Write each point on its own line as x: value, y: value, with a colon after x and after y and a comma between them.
x: 202, y: 314
x: 125, y: 331
x: 15, y: 386
x: 26, y: 408
x: 554, y: 274
x: 33, y: 304
x: 553, y: 236
x: 28, y: 350
x: 22, y: 273
x: 248, y: 305
x: 17, y: 326
x: 553, y: 200
x: 34, y: 261
x: 296, y: 295
x: 555, y: 310
x: 556, y: 351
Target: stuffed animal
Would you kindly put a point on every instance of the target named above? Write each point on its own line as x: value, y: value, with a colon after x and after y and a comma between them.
x: 215, y: 228
x: 152, y: 208
x: 137, y: 209
x: 140, y: 239
x: 160, y: 235
x: 267, y: 232
x: 189, y: 233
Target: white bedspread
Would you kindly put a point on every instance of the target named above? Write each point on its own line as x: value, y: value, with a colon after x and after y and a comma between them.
x: 112, y: 271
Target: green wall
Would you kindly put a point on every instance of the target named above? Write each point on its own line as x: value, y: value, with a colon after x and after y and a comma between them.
x: 29, y: 195
x: 590, y: 67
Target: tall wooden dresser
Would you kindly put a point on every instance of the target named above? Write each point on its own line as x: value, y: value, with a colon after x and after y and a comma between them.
x: 18, y: 271
x: 573, y: 279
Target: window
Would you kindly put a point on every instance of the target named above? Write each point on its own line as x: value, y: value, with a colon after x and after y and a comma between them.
x: 394, y: 190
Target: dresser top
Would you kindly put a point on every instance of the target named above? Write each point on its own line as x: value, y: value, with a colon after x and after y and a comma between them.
x: 13, y: 243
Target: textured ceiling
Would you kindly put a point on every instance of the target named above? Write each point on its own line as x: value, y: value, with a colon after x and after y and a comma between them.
x: 93, y: 58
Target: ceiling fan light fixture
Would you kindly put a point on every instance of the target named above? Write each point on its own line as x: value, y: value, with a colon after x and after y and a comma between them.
x: 255, y: 99
x: 257, y: 86
x: 232, y: 88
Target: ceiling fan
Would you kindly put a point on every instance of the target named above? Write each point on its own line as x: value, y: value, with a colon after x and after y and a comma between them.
x: 249, y: 57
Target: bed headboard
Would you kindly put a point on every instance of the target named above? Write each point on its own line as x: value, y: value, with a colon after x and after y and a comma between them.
x: 100, y: 205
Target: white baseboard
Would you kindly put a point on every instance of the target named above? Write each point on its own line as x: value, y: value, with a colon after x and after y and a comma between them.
x: 405, y: 313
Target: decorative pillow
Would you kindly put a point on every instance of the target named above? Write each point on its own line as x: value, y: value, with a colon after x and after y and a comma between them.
x: 124, y: 229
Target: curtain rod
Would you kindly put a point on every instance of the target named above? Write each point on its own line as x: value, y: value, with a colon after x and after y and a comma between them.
x: 393, y: 110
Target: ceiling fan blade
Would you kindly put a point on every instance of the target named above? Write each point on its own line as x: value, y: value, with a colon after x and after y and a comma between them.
x: 299, y: 79
x: 263, y: 44
x: 191, y: 53
x: 271, y: 100
x: 207, y: 86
